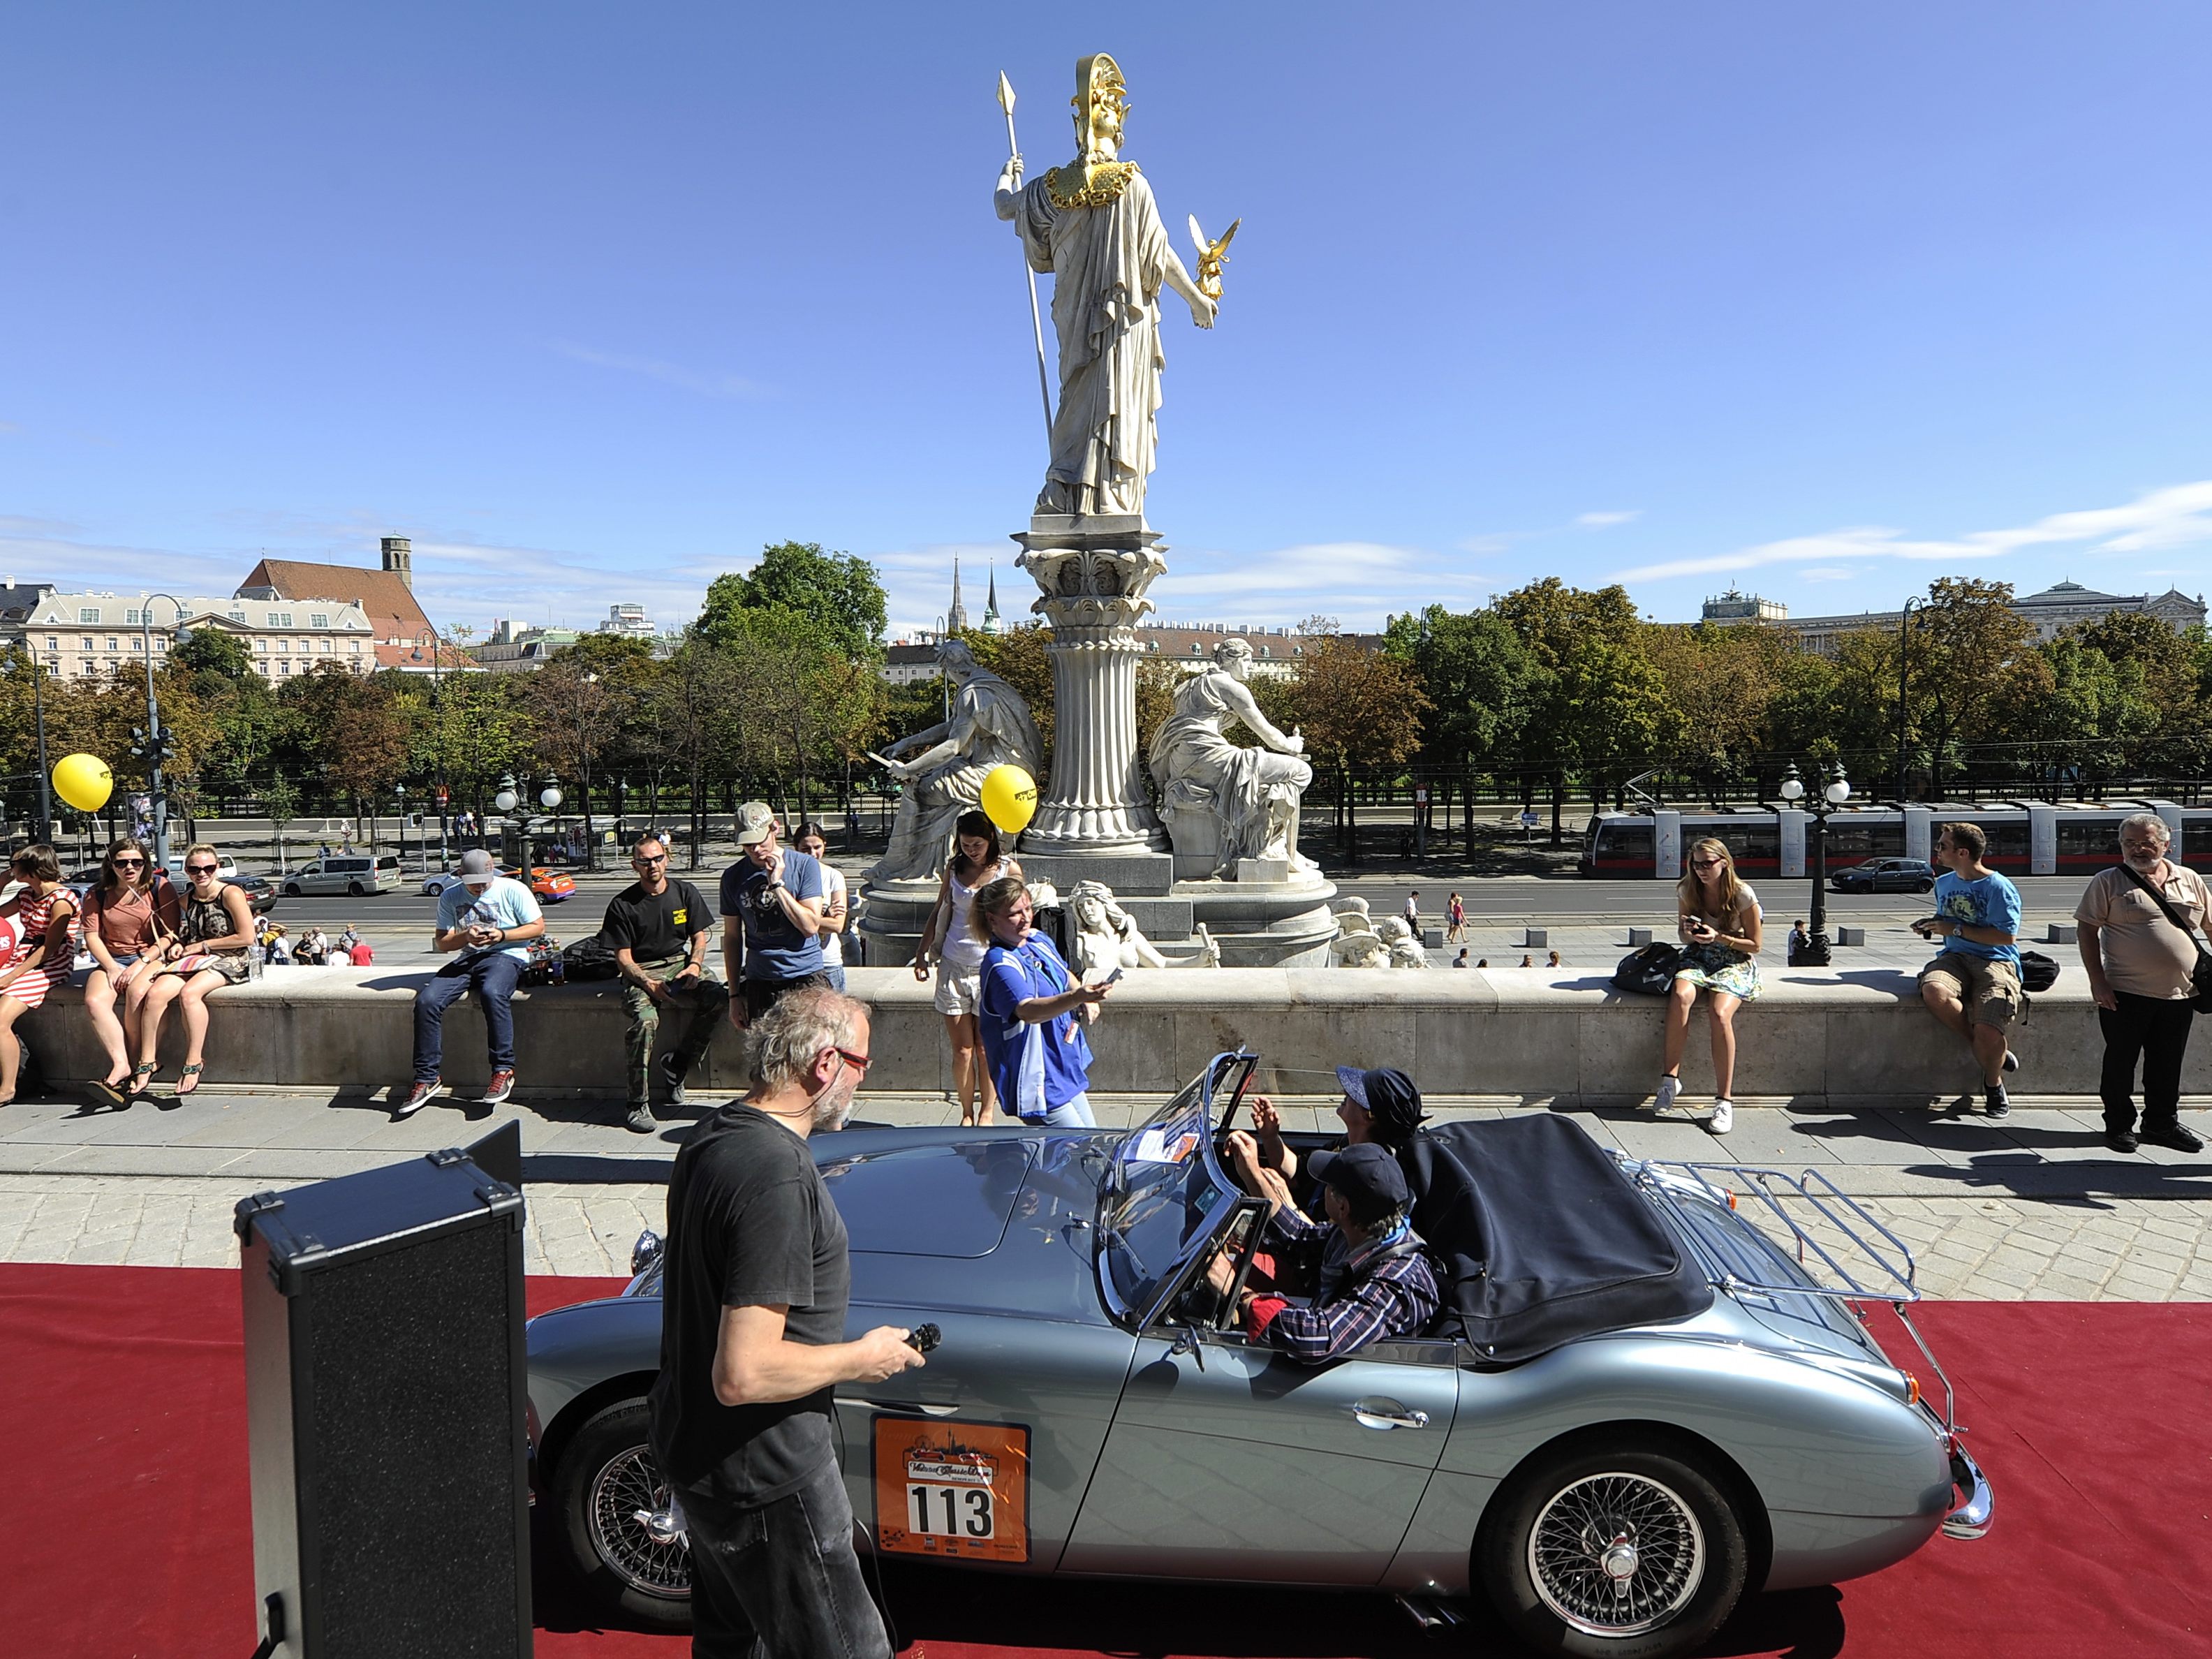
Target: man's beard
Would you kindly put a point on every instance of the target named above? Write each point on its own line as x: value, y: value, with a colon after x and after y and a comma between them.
x: 833, y: 1108
x: 2144, y: 862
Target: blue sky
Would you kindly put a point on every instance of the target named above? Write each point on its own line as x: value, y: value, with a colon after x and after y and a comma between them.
x: 592, y: 301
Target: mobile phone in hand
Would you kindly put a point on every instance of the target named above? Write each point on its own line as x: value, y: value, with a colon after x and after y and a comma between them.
x: 1111, y: 977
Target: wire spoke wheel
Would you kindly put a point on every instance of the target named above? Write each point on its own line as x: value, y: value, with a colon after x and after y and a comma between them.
x: 1616, y: 1554
x: 626, y: 1487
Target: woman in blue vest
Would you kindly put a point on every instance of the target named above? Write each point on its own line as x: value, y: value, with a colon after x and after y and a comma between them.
x: 1032, y: 1014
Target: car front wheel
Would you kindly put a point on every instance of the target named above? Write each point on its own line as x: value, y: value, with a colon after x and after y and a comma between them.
x: 1606, y: 1551
x: 291, y: 889
x: 605, y: 1481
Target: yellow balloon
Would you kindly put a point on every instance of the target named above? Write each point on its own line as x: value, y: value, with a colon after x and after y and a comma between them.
x: 1009, y: 797
x: 84, y: 781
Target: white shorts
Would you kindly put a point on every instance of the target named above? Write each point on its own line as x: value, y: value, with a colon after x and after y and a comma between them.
x: 959, y: 990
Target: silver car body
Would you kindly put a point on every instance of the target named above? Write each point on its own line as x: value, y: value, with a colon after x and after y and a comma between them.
x: 1157, y: 1450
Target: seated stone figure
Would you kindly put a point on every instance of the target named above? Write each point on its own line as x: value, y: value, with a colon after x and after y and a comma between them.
x: 1250, y: 796
x: 989, y: 727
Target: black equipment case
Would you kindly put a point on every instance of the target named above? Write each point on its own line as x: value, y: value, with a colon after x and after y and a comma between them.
x: 386, y: 1390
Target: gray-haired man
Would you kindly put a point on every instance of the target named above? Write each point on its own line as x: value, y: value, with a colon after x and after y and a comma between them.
x: 2140, y: 966
x: 753, y: 1347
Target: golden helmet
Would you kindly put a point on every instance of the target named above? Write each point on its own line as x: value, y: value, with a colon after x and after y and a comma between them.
x: 1101, y: 102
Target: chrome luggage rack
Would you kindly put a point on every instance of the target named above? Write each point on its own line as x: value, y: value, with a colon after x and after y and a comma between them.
x: 1670, y: 1183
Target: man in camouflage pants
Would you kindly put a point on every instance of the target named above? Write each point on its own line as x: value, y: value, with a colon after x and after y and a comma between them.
x: 657, y: 929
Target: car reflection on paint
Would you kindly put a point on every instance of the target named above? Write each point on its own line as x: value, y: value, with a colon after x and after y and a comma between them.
x: 1611, y: 1482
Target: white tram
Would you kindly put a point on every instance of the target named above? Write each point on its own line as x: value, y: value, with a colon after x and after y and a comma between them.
x: 2026, y: 837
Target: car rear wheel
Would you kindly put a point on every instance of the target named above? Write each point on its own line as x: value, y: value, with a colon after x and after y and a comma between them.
x: 291, y: 889
x: 605, y: 1480
x: 1610, y: 1551
x: 357, y: 890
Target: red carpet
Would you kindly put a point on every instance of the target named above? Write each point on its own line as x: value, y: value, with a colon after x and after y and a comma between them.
x: 126, y: 1530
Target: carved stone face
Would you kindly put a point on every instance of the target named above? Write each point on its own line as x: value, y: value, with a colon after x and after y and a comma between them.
x: 1234, y: 658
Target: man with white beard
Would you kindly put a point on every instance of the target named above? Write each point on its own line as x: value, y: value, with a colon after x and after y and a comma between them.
x: 752, y: 1347
x: 2140, y: 954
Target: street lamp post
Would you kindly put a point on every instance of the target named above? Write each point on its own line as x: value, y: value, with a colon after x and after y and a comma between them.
x: 157, y: 744
x: 550, y: 798
x: 445, y: 851
x: 1904, y: 660
x: 45, y: 782
x: 1834, y: 790
x: 399, y: 809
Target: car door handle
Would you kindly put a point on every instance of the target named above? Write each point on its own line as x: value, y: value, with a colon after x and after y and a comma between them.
x: 912, y: 1407
x: 1386, y: 1415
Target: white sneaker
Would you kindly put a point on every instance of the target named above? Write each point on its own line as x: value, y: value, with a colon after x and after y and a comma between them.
x: 1724, y: 1118
x: 1669, y: 1086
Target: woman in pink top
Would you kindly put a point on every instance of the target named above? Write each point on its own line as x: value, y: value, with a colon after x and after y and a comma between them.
x: 131, y: 909
x: 38, y: 918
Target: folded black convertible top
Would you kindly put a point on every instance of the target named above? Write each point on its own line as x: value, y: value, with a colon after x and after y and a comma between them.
x: 1543, y: 1238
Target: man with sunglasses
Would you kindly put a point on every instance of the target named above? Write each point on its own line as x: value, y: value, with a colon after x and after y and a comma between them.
x: 756, y: 1277
x: 657, y: 929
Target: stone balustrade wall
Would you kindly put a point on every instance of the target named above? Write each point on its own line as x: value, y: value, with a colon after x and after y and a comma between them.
x: 1856, y: 1035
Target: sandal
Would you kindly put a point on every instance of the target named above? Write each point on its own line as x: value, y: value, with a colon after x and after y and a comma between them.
x: 188, y: 1079
x: 140, y: 1077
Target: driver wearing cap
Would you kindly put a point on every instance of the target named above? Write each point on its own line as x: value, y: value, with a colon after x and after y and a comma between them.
x: 1387, y: 1286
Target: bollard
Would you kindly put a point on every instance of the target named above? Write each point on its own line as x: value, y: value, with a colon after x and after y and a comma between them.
x: 1639, y: 936
x: 1535, y: 938
x: 2061, y: 933
x: 1850, y: 936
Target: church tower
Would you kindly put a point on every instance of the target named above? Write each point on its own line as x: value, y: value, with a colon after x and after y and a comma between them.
x: 955, y: 619
x: 991, y: 622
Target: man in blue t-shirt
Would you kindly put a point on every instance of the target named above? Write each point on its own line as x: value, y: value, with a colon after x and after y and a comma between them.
x: 771, y: 904
x: 485, y: 920
x: 1973, y: 984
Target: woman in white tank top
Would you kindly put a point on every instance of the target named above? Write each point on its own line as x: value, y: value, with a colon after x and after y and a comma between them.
x: 948, y: 942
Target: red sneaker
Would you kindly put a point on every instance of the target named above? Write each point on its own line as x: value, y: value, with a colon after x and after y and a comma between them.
x: 418, y: 1097
x: 501, y: 1085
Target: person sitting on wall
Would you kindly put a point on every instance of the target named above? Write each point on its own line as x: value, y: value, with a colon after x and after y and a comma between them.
x: 1387, y: 1286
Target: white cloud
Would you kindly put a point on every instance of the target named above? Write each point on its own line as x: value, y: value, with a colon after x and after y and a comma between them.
x: 2178, y: 516
x: 1605, y: 520
x: 705, y: 385
x: 1828, y: 573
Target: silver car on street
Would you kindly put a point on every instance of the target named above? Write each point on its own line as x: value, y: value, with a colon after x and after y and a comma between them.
x: 1635, y: 1409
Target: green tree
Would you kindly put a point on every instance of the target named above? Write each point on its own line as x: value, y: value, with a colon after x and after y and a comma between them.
x: 1356, y: 708
x: 1577, y: 636
x: 215, y: 651
x: 1484, y: 685
x: 837, y: 592
x: 281, y: 801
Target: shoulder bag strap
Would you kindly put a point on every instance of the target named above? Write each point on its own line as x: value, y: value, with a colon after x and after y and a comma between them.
x: 2165, y: 908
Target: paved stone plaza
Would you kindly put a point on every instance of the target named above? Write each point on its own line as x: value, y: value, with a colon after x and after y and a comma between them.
x: 2035, y: 1207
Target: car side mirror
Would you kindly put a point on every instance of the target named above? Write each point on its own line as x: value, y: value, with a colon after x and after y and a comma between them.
x: 645, y: 1251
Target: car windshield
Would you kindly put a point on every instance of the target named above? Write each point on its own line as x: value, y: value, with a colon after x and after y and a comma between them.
x: 1165, y: 1190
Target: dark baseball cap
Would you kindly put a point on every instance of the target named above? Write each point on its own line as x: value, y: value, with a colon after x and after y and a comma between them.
x: 1367, y: 1175
x: 1387, y: 1093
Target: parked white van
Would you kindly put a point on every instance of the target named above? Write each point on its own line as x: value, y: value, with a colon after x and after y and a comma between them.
x: 354, y: 874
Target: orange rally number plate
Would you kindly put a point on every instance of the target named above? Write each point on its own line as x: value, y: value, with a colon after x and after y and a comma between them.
x: 955, y: 1491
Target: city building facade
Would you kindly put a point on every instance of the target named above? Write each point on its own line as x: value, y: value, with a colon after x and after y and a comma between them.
x: 2052, y: 611
x: 401, y: 634
x: 99, y: 635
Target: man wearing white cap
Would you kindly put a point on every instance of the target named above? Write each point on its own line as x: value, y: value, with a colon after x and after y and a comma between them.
x: 488, y: 919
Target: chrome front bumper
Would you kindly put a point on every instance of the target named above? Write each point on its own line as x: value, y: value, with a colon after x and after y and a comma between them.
x: 1972, y: 1518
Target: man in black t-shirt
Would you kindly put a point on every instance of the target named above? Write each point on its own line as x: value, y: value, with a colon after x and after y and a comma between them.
x: 657, y: 929
x: 753, y: 1301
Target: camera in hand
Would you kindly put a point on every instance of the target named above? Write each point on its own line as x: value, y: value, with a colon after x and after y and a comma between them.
x: 923, y: 1338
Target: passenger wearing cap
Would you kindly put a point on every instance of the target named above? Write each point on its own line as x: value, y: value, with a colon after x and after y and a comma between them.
x: 1379, y: 1105
x: 485, y: 920
x: 1386, y: 1287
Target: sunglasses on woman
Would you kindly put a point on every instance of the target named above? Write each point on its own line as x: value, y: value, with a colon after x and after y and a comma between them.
x: 201, y: 869
x: 129, y: 864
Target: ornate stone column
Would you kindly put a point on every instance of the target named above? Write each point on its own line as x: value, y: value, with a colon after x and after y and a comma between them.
x: 1093, y: 572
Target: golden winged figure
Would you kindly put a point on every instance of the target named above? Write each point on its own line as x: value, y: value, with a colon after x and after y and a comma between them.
x: 1212, y: 255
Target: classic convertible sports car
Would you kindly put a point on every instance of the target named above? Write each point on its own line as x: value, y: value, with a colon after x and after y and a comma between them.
x: 1634, y: 1407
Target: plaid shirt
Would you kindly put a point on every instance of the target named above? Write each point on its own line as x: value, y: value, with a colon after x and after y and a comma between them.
x: 1398, y: 1297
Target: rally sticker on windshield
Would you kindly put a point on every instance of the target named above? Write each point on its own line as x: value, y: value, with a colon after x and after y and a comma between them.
x: 956, y: 1491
